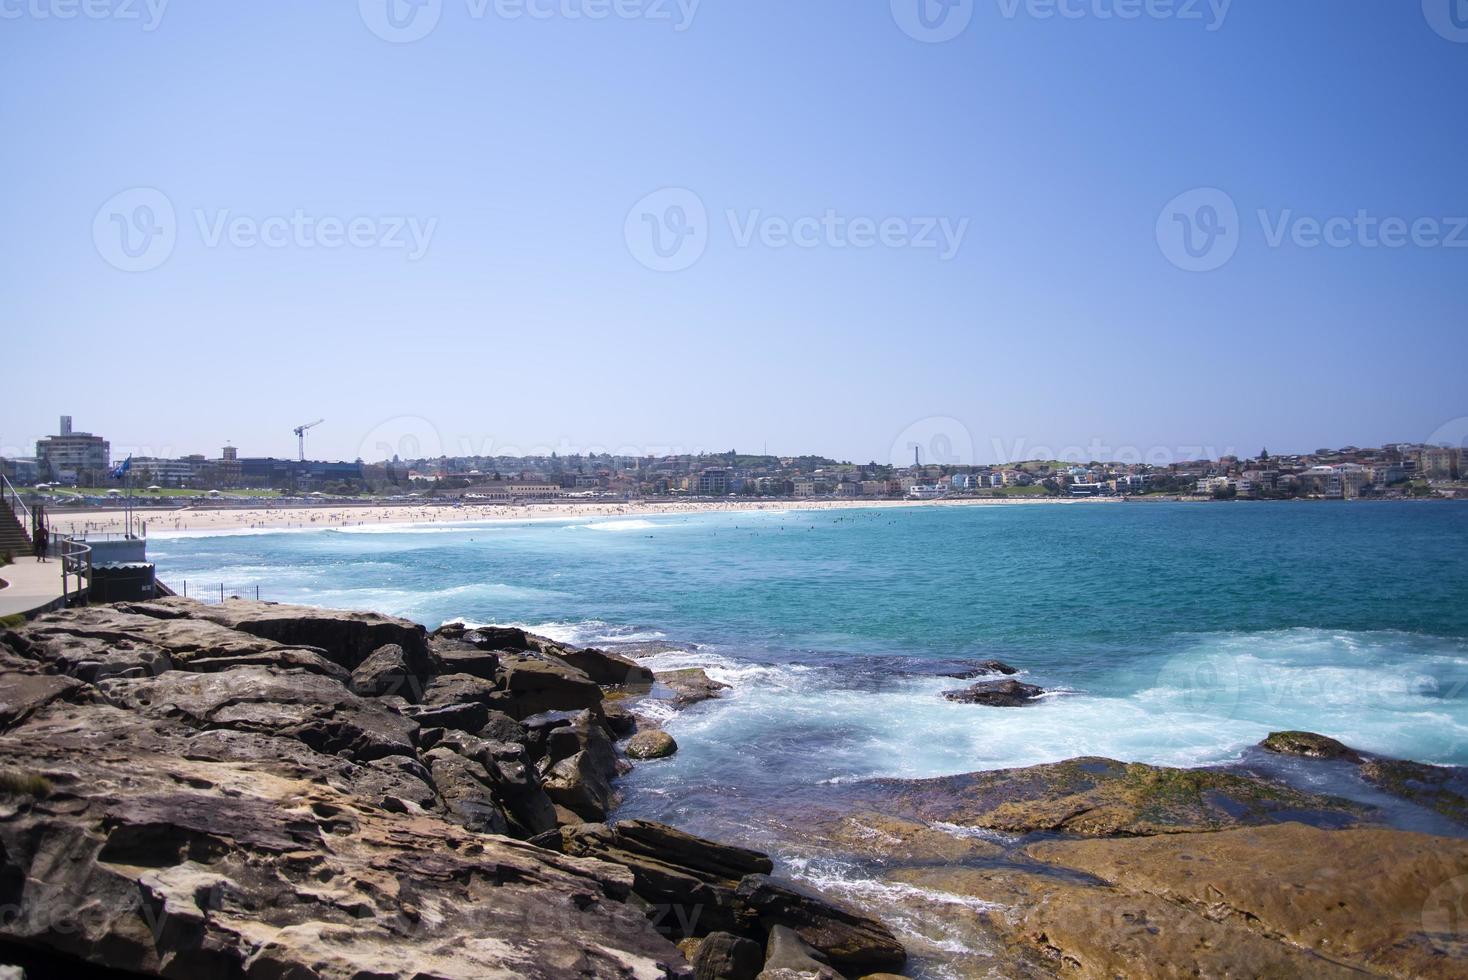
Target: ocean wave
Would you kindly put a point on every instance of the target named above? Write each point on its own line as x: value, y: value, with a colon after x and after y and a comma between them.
x: 630, y: 524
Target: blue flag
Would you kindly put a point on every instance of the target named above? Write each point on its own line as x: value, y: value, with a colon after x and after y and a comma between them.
x: 127, y: 464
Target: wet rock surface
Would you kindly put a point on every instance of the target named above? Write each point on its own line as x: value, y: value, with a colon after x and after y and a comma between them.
x: 997, y: 694
x: 691, y: 685
x: 1308, y: 745
x: 1102, y: 797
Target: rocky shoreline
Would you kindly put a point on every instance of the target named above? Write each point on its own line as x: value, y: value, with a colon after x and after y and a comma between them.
x: 256, y: 790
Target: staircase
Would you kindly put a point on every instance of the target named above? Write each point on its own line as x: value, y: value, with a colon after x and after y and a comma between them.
x: 14, y: 517
x: 13, y: 537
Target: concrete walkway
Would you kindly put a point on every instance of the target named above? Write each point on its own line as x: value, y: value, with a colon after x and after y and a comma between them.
x: 31, y: 585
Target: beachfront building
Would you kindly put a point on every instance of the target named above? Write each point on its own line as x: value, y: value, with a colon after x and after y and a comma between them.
x: 1438, y: 463
x: 713, y: 483
x: 74, y: 457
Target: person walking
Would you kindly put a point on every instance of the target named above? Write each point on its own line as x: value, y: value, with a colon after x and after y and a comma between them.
x: 43, y: 543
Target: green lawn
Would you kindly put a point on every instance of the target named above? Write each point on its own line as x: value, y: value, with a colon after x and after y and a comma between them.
x: 1034, y: 490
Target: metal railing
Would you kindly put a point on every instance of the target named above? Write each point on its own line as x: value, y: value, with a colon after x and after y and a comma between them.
x: 76, y: 565
x: 213, y: 594
x: 12, y: 499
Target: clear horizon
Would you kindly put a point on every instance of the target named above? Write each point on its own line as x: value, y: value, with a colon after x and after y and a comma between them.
x: 682, y: 226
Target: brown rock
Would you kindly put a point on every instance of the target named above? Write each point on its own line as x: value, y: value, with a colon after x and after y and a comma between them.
x: 849, y: 941
x: 1101, y: 797
x: 1377, y: 900
x: 724, y: 956
x: 997, y: 694
x: 690, y: 685
x: 1443, y: 789
x: 1309, y: 745
x: 651, y: 745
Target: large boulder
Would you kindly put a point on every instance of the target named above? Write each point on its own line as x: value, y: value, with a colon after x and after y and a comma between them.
x: 603, y: 668
x: 386, y: 672
x: 348, y: 638
x: 309, y: 708
x: 530, y: 685
x: 574, y: 755
x: 652, y: 744
x: 724, y: 956
x: 788, y: 957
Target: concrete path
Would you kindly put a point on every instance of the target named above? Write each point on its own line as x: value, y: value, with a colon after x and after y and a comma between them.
x: 30, y: 585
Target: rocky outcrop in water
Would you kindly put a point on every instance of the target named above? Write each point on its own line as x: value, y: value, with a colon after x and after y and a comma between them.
x: 1308, y: 745
x: 1441, y: 789
x: 691, y: 685
x: 271, y: 791
x: 997, y: 694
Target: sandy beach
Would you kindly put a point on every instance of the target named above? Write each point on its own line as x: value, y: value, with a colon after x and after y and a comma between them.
x: 197, y: 519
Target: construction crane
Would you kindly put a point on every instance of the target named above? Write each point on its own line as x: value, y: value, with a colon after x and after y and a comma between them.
x: 300, y: 432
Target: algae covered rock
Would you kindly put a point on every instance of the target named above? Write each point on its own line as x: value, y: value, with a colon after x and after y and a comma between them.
x: 1309, y: 745
x: 651, y: 745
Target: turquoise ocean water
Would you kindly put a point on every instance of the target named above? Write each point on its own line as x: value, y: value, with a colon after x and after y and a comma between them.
x: 1171, y: 633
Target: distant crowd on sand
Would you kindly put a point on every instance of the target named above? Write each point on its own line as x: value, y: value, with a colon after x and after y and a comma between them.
x: 326, y: 516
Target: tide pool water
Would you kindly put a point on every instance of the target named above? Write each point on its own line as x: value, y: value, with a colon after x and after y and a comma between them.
x: 1168, y: 633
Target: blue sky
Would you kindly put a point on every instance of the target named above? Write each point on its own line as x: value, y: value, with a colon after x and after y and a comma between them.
x: 522, y: 312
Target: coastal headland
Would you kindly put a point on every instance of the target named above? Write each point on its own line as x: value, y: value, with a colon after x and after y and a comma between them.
x: 251, y: 789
